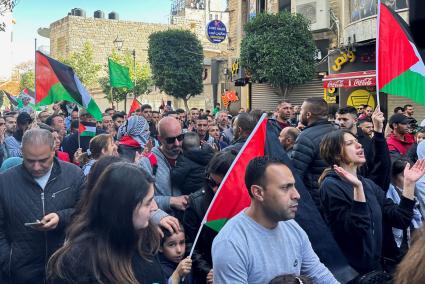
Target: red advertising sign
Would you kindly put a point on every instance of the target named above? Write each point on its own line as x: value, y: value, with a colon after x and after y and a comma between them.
x: 350, y: 80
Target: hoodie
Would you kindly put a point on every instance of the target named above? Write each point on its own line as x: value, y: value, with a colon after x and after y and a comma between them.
x: 362, y: 229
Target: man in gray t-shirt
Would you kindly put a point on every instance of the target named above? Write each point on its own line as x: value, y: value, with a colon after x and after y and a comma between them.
x: 262, y: 242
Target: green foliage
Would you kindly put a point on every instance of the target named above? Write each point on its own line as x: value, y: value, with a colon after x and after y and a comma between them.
x: 278, y: 49
x: 27, y: 80
x: 176, y: 58
x: 143, y: 77
x: 83, y: 64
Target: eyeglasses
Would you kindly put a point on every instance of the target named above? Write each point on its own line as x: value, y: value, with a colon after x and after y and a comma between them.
x: 212, y: 183
x: 170, y: 140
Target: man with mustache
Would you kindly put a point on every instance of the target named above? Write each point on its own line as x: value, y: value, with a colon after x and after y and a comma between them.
x: 262, y: 241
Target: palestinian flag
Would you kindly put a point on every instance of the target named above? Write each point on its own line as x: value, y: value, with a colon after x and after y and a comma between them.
x: 119, y: 75
x: 232, y: 196
x: 12, y: 99
x: 401, y: 70
x: 135, y: 105
x: 56, y: 81
x: 87, y: 129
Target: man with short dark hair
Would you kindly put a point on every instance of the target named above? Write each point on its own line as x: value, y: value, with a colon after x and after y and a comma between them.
x: 366, y: 126
x: 263, y: 241
x: 107, y: 124
x: 400, y: 140
x: 194, y: 114
x: 110, y: 111
x: 306, y: 155
x: 287, y: 138
x: 398, y: 109
x: 10, y: 120
x: 243, y: 125
x: 283, y: 114
x: 37, y: 200
x: 409, y: 110
x: 202, y: 130
x: 57, y: 122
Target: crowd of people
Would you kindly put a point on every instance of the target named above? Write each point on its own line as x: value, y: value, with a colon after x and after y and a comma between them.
x: 125, y: 202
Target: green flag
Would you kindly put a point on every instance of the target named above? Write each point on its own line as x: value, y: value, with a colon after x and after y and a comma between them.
x: 119, y: 75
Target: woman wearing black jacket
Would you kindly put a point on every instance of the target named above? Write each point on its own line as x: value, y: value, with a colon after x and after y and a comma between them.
x: 355, y: 208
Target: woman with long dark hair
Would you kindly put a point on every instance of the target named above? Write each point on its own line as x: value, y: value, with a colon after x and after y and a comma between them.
x: 355, y: 208
x: 105, y: 243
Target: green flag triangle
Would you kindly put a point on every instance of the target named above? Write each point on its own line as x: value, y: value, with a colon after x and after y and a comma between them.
x: 119, y: 76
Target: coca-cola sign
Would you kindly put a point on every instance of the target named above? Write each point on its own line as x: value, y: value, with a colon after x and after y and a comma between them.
x: 364, y: 82
x: 344, y: 80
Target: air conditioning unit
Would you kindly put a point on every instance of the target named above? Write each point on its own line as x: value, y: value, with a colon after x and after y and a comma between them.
x: 317, y: 11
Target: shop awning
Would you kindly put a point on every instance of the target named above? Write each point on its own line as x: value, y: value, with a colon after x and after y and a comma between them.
x: 350, y: 80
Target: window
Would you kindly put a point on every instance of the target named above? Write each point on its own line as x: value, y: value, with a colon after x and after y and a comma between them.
x: 360, y: 9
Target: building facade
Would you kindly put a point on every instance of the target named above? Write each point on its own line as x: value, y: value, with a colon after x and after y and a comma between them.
x: 338, y: 27
x: 70, y: 33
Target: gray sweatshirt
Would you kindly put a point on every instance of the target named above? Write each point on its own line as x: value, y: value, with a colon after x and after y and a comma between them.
x: 163, y: 187
x: 246, y: 252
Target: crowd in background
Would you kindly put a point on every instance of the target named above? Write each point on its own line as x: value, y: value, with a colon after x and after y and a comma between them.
x: 124, y: 203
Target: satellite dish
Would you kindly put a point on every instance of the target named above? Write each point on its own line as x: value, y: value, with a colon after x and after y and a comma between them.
x: 44, y: 32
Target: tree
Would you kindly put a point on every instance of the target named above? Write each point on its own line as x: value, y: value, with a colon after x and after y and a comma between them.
x: 143, y: 77
x: 279, y: 49
x: 27, y: 75
x: 176, y: 59
x: 83, y: 64
x: 27, y: 80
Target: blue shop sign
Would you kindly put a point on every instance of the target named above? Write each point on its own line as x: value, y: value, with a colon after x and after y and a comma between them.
x: 216, y: 31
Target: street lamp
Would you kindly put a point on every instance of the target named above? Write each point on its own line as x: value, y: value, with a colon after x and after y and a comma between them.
x: 118, y: 43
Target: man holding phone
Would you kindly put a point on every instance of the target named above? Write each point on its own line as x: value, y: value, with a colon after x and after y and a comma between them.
x: 37, y: 199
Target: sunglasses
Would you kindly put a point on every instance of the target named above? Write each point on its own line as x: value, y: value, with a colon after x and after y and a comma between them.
x: 212, y: 183
x: 170, y: 140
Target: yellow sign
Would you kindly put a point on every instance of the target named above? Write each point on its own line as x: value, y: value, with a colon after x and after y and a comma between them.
x: 235, y: 67
x: 361, y: 97
x: 329, y: 96
x: 342, y: 59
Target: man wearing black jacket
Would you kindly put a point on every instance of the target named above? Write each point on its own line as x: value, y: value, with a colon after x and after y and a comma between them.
x: 37, y: 199
x: 306, y: 155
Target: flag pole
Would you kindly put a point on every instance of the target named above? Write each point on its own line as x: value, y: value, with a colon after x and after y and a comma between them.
x: 378, y: 19
x: 78, y: 132
x: 35, y: 69
x: 224, y: 180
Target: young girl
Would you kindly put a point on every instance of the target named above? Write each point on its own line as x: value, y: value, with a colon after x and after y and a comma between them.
x: 172, y: 257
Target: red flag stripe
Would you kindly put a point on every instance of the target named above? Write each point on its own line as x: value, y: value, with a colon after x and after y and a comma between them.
x: 45, y: 76
x: 232, y: 196
x: 134, y: 106
x: 396, y: 54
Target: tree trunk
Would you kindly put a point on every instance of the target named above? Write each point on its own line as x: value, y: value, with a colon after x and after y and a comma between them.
x: 283, y: 90
x: 186, y: 106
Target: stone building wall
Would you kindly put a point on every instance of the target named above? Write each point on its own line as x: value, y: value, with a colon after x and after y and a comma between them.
x: 70, y: 33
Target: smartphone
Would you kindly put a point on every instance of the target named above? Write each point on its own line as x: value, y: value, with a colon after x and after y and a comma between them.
x: 36, y: 223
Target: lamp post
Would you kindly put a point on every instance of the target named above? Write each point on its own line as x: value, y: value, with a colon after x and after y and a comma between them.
x: 118, y: 45
x: 134, y: 70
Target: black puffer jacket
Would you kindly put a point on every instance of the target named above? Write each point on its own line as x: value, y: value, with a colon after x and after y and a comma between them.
x: 189, y: 173
x: 306, y: 156
x: 24, y: 251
